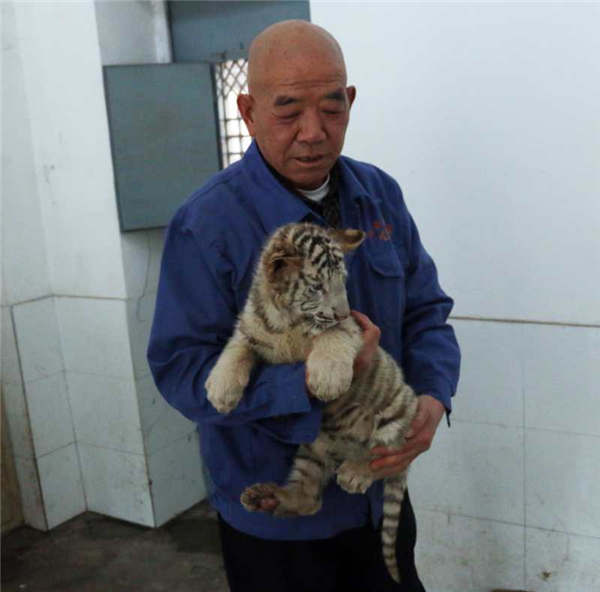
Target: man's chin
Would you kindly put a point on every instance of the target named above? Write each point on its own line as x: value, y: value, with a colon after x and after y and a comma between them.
x: 309, y: 181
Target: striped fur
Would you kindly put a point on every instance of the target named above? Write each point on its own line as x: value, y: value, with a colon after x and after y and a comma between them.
x: 297, y: 310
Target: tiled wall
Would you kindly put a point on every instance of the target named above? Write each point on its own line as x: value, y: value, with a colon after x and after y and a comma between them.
x: 484, y: 114
x: 519, y: 465
x: 170, y: 440
x: 67, y: 373
x: 88, y: 427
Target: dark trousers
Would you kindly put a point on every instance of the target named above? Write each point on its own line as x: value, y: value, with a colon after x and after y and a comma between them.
x: 349, y: 562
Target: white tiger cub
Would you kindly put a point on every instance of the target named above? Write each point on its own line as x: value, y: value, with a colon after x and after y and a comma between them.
x: 297, y: 310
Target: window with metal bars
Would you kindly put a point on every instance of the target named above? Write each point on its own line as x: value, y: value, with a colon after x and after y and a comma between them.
x: 231, y: 79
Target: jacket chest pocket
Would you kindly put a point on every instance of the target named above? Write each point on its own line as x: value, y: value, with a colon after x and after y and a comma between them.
x: 386, y: 298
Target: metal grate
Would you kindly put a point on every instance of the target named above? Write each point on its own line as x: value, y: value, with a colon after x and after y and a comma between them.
x: 231, y: 79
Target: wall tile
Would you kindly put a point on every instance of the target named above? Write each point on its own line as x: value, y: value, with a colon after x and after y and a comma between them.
x: 105, y: 412
x: 17, y: 418
x: 25, y: 273
x: 116, y: 484
x: 31, y: 494
x: 161, y: 424
x: 94, y: 336
x: 142, y: 253
x: 11, y: 369
x: 459, y: 554
x: 37, y: 338
x: 562, y: 372
x: 50, y: 415
x: 74, y: 170
x: 62, y: 488
x: 472, y: 469
x: 491, y: 384
x: 177, y: 481
x: 562, y: 486
x: 140, y: 313
x: 559, y: 562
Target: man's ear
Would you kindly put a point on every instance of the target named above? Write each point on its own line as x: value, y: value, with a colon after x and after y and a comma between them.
x: 245, y: 105
x: 351, y: 94
x: 348, y: 238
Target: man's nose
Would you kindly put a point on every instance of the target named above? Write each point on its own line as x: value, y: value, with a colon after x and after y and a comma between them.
x: 311, y: 128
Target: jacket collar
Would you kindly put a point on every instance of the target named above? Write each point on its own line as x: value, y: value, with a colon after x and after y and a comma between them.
x: 276, y: 205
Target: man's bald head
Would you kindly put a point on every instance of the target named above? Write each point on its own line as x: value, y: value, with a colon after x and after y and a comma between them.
x: 298, y: 106
x: 282, y: 44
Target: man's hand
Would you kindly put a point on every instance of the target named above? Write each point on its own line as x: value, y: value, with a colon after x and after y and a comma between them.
x: 371, y: 335
x: 418, y: 439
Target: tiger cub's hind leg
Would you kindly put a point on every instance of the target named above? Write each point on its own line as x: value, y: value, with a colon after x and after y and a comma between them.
x: 301, y: 495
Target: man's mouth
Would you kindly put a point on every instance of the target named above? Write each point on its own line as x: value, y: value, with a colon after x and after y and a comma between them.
x: 309, y: 159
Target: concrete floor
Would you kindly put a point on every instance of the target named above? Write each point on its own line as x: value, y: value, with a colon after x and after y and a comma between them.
x: 93, y: 553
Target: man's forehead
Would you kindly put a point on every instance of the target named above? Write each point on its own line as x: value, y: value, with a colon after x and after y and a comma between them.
x: 290, y: 56
x: 292, y: 95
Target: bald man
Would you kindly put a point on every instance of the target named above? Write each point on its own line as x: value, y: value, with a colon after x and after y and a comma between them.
x: 297, y: 111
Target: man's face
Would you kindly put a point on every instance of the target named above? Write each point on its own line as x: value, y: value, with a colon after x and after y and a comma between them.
x: 299, y: 116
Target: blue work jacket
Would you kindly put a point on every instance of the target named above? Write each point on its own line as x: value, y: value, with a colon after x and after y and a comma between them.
x: 211, y: 248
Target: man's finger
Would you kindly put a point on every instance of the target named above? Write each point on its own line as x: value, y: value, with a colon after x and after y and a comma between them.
x: 418, y: 423
x: 362, y: 319
x: 393, y: 463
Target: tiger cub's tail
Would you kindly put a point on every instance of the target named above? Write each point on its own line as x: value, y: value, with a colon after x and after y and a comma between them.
x: 392, y: 505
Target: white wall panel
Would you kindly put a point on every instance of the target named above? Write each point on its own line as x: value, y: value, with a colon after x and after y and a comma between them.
x: 562, y: 378
x: 463, y: 554
x: 562, y: 484
x: 71, y: 149
x: 472, y: 469
x: 486, y: 114
x: 94, y: 336
x: 62, y: 488
x: 116, y: 484
x: 491, y: 376
x: 559, y: 562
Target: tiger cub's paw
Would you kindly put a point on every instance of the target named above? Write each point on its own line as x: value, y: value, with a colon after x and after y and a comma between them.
x: 353, y: 483
x: 283, y: 502
x: 252, y: 496
x: 354, y: 477
x: 224, y: 390
x: 328, y: 378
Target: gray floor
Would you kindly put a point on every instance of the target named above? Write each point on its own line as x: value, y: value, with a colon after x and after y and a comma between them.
x: 92, y: 553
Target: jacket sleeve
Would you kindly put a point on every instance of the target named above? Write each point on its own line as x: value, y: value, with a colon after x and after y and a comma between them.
x: 194, y: 317
x: 431, y: 356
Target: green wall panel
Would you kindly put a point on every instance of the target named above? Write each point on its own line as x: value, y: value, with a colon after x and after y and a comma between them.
x: 163, y: 136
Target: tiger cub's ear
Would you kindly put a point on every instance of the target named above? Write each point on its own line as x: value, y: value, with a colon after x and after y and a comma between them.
x: 348, y: 238
x: 279, y: 263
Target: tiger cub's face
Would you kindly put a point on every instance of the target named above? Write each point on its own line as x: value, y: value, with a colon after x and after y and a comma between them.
x: 307, y: 272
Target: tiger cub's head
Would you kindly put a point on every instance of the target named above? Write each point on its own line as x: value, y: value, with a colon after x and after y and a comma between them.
x: 303, y: 265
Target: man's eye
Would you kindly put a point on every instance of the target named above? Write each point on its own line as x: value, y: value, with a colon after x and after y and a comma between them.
x: 288, y: 117
x: 333, y: 112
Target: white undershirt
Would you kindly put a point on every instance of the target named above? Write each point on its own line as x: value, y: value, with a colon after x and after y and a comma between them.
x: 316, y: 194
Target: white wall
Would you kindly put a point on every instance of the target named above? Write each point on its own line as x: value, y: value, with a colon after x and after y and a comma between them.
x: 137, y: 33
x: 487, y: 115
x: 88, y: 428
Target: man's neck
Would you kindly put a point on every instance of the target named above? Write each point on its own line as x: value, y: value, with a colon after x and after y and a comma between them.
x: 317, y: 194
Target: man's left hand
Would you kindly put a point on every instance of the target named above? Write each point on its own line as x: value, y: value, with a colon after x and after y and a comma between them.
x: 371, y: 334
x: 419, y: 437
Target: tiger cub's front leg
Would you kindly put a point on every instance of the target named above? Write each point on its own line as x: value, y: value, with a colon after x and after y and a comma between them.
x: 301, y: 495
x: 230, y: 375
x: 330, y: 362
